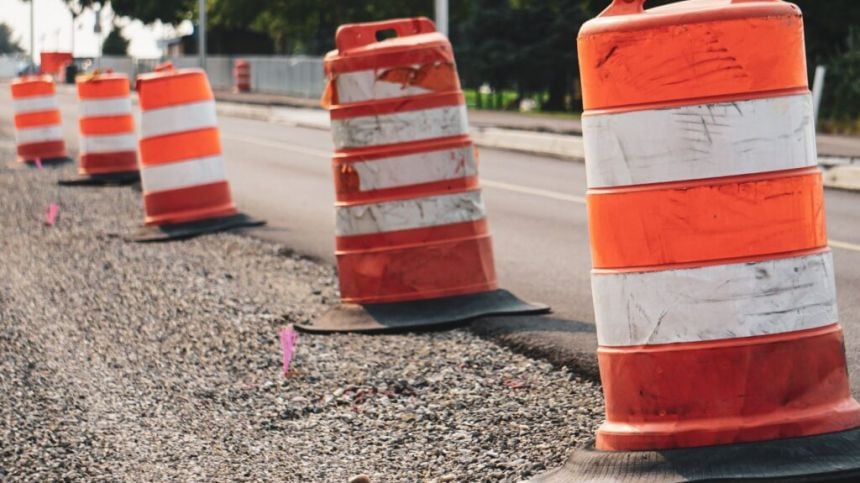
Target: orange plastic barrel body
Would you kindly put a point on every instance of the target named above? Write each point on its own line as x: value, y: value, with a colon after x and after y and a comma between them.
x: 410, y: 218
x: 242, y: 76
x: 38, y: 125
x: 107, y: 135
x: 182, y: 170
x: 713, y: 284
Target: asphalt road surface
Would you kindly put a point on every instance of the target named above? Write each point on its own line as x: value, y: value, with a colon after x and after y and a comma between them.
x: 535, y: 207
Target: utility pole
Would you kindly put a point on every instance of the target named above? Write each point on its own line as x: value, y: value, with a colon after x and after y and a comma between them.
x: 818, y: 89
x: 442, y: 16
x: 201, y: 33
x: 97, y: 29
x: 33, y: 32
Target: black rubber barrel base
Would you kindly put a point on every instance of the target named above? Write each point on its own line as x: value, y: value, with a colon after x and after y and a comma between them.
x: 179, y: 231
x: 420, y: 314
x: 49, y: 162
x: 828, y: 457
x: 112, y: 179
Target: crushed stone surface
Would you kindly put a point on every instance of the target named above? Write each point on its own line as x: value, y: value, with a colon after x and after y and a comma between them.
x: 154, y: 362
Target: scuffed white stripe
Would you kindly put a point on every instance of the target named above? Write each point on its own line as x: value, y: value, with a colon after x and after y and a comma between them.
x: 184, y: 174
x: 35, y: 104
x: 115, y: 106
x: 176, y: 119
x: 112, y: 143
x: 412, y: 169
x: 409, y: 214
x: 400, y: 127
x: 698, y: 142
x: 365, y: 85
x: 38, y: 134
x: 715, y: 302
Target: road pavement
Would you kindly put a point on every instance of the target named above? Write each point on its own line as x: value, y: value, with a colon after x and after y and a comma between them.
x: 536, y: 212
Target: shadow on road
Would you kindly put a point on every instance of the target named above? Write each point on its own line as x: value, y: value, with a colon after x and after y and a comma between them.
x: 562, y: 342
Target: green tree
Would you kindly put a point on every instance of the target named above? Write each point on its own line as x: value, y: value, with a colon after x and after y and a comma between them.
x: 149, y: 11
x: 841, y: 100
x: 7, y: 44
x: 115, y: 43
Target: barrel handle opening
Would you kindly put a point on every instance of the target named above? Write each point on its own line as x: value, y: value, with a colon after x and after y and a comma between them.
x: 352, y: 36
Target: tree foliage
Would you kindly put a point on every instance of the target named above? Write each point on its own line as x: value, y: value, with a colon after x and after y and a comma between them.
x: 115, y: 43
x: 7, y: 44
x: 149, y: 11
x: 841, y: 100
x: 314, y: 33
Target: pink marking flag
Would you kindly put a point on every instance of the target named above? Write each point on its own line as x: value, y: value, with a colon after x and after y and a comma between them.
x: 288, y: 344
x: 38, y: 162
x: 51, y: 214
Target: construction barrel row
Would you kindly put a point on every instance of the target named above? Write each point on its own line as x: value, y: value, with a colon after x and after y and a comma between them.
x: 720, y: 349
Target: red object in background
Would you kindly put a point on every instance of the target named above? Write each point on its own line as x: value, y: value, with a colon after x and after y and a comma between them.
x: 241, y: 76
x: 53, y: 63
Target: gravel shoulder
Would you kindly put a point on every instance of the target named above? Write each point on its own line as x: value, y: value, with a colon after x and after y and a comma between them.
x: 131, y: 362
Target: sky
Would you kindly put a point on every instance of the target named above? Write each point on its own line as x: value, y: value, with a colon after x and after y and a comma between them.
x: 54, y: 29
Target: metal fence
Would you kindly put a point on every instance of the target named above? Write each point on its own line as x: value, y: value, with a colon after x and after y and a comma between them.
x: 296, y: 76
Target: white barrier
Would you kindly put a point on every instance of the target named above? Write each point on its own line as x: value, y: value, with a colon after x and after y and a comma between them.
x: 296, y: 76
x: 9, y: 66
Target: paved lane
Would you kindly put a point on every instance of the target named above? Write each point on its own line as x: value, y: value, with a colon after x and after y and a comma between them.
x: 534, y: 204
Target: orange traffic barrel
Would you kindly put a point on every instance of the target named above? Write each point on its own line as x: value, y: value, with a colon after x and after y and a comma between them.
x: 720, y: 349
x: 241, y: 76
x: 413, y: 246
x: 108, y: 142
x: 185, y: 187
x: 38, y: 125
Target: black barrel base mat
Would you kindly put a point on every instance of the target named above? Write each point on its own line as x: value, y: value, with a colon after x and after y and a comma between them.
x: 420, y: 314
x: 829, y: 457
x: 48, y: 162
x: 112, y: 179
x: 179, y: 231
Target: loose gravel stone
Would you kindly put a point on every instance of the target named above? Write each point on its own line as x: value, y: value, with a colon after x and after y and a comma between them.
x: 130, y: 362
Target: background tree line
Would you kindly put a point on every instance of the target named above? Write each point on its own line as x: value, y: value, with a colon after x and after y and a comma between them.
x: 523, y: 46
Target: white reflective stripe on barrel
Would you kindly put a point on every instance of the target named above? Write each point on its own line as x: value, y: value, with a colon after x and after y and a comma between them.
x: 698, y: 142
x: 115, y: 106
x: 714, y: 302
x: 365, y: 85
x: 416, y: 168
x: 400, y: 127
x: 409, y: 214
x: 184, y: 174
x: 108, y: 143
x: 38, y: 134
x: 176, y: 119
x: 24, y: 105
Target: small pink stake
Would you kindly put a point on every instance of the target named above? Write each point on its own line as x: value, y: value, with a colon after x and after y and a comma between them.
x: 288, y: 344
x: 38, y: 162
x: 51, y: 214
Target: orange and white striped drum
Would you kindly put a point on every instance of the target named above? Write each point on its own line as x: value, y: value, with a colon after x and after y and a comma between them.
x: 713, y: 285
x: 182, y: 170
x: 108, y: 142
x: 712, y: 273
x: 180, y: 149
x: 38, y: 125
x: 410, y: 221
